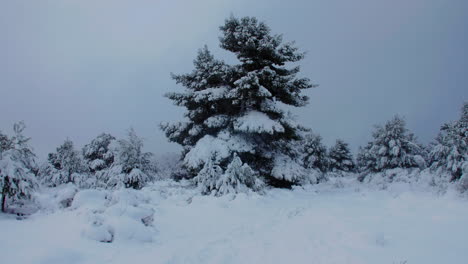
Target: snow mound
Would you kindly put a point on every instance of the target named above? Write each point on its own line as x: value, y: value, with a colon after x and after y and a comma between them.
x: 121, y: 215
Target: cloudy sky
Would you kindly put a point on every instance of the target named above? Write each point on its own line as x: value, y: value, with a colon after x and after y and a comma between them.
x: 78, y: 68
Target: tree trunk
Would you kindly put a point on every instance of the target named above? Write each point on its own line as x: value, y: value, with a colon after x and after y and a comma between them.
x: 3, y: 202
x: 6, y: 186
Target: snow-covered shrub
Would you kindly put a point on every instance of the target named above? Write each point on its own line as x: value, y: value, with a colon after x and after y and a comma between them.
x: 237, y: 178
x: 98, y: 154
x: 340, y: 157
x: 235, y: 109
x: 17, y: 168
x: 208, y: 176
x: 393, y: 146
x: 450, y: 150
x: 64, y: 166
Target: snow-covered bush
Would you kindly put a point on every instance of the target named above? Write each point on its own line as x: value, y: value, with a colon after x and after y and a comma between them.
x: 315, y: 153
x: 17, y: 168
x: 64, y: 166
x: 238, y: 177
x: 340, y: 157
x: 235, y: 109
x: 450, y: 150
x: 393, y: 146
x: 98, y: 153
x: 208, y: 176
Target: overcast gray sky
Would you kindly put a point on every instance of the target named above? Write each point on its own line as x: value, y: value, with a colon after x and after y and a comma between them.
x: 78, y: 68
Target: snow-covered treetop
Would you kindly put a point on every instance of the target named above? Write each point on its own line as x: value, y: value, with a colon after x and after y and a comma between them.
x: 23, y: 152
x: 253, y: 43
x: 208, y: 72
x: 5, y: 143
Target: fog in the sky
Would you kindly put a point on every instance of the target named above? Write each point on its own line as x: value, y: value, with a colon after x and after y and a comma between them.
x: 78, y: 68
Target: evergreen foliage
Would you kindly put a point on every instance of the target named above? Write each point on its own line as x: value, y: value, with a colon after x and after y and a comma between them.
x: 315, y: 152
x: 340, y: 157
x: 17, y: 168
x: 208, y: 176
x: 235, y: 109
x: 132, y: 167
x: 393, y: 146
x: 238, y: 177
x: 450, y: 150
x: 98, y: 153
x: 64, y: 165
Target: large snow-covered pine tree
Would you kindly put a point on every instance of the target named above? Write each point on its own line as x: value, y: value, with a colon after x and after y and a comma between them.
x: 393, y: 146
x: 450, y: 151
x: 234, y: 110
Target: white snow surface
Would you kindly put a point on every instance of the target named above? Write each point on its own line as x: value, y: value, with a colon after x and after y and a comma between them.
x: 340, y: 221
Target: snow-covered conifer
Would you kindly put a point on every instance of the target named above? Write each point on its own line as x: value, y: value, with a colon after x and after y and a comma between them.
x: 340, y: 157
x: 237, y: 178
x: 98, y: 154
x: 208, y: 176
x: 5, y: 143
x: 315, y: 153
x: 17, y: 167
x: 132, y: 167
x: 25, y: 154
x: 64, y: 165
x: 393, y: 146
x: 235, y: 108
x: 450, y: 151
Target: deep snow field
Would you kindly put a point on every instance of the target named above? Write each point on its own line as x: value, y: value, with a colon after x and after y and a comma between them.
x: 340, y: 221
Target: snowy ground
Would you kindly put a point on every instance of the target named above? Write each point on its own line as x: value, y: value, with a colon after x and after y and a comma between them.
x: 317, y: 224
